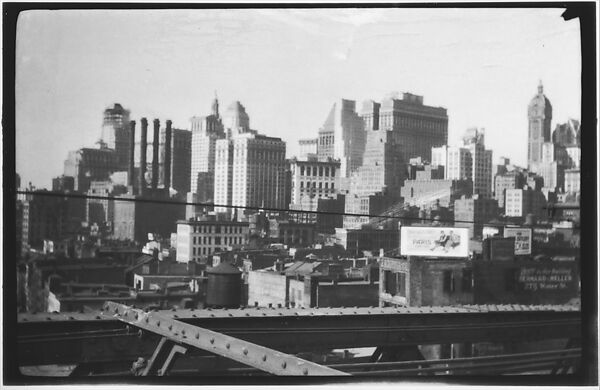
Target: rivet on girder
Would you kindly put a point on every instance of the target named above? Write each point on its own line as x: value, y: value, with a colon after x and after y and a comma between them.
x: 116, y: 309
x: 170, y: 327
x: 264, y: 314
x: 212, y: 340
x: 264, y: 358
x: 283, y: 365
x: 71, y: 317
x: 98, y: 317
x: 137, y: 316
x: 197, y: 335
x: 195, y: 316
x: 305, y: 371
x: 48, y: 319
x: 183, y: 331
x: 245, y: 351
x: 147, y: 320
x: 157, y: 323
x: 247, y: 314
x: 212, y: 315
x: 230, y: 315
x: 175, y: 316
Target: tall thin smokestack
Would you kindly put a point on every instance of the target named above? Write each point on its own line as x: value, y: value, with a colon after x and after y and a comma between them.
x: 168, y: 155
x: 155, y: 154
x: 131, y: 171
x: 143, y: 148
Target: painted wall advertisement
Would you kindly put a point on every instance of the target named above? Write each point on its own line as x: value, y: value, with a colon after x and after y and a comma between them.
x: 522, y: 239
x: 550, y: 278
x: 434, y: 241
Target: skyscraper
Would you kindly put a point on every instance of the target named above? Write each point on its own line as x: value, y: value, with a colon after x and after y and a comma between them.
x: 206, y: 130
x: 250, y: 171
x: 235, y: 119
x: 115, y: 133
x: 471, y: 161
x: 539, y: 114
x: 342, y: 137
x: 87, y: 164
x: 419, y: 127
x: 375, y: 186
x: 474, y: 141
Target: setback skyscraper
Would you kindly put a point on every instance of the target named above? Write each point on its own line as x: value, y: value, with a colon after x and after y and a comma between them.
x: 539, y: 114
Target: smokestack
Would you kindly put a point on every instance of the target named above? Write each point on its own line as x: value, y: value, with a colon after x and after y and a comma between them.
x: 155, y: 154
x: 143, y: 148
x: 130, y: 172
x: 168, y: 155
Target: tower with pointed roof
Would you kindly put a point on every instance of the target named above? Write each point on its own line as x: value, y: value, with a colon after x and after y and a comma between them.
x: 539, y: 114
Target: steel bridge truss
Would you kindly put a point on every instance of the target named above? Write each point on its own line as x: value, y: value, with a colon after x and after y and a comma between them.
x: 177, y: 336
x: 265, y: 341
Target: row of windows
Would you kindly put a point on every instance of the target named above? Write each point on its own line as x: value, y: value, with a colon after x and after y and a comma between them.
x: 217, y: 229
x: 217, y: 240
x: 314, y: 171
x: 314, y: 185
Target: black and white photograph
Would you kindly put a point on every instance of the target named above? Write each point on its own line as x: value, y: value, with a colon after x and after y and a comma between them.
x: 300, y: 194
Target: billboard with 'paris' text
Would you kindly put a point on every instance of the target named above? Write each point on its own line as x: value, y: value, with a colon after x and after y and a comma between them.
x: 434, y: 241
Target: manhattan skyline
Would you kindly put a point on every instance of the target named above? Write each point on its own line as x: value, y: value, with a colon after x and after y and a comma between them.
x: 287, y: 67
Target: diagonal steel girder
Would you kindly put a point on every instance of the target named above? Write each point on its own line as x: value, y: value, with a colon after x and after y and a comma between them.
x: 253, y: 355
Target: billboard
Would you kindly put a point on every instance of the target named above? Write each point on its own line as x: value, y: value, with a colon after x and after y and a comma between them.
x: 434, y: 241
x: 522, y: 239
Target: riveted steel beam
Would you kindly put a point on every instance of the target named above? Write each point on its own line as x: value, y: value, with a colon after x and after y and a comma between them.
x: 251, y: 354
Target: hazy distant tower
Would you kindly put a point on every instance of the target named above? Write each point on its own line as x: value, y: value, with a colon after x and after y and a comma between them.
x: 540, y: 117
x: 116, y: 133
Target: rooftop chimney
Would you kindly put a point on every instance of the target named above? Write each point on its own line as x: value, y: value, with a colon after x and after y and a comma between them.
x: 168, y: 155
x: 130, y: 172
x: 143, y: 148
x: 155, y: 154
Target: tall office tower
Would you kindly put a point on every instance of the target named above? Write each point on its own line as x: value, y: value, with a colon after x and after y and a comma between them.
x: 482, y: 173
x: 342, y: 137
x: 250, y: 171
x: 376, y: 184
x: 206, y: 130
x: 566, y: 139
x: 539, y: 114
x: 115, y: 133
x: 312, y: 179
x: 460, y: 163
x: 471, y: 161
x: 87, y: 164
x: 235, y: 119
x: 419, y: 127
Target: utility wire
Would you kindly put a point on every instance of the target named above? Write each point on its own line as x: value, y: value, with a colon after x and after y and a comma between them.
x: 141, y: 199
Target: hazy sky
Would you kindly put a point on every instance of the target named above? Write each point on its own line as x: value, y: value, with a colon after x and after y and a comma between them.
x: 287, y: 67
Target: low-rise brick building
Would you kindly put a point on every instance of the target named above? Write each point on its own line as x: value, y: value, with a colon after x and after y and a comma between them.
x: 418, y: 281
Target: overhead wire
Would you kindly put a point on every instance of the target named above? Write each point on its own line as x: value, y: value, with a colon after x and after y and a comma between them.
x: 385, y: 217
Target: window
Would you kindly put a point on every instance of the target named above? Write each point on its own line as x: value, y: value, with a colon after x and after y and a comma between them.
x: 390, y: 282
x: 448, y: 282
x: 401, y: 284
x: 467, y: 280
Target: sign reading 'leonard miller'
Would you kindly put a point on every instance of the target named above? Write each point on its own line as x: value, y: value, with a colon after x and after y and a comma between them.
x: 434, y: 241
